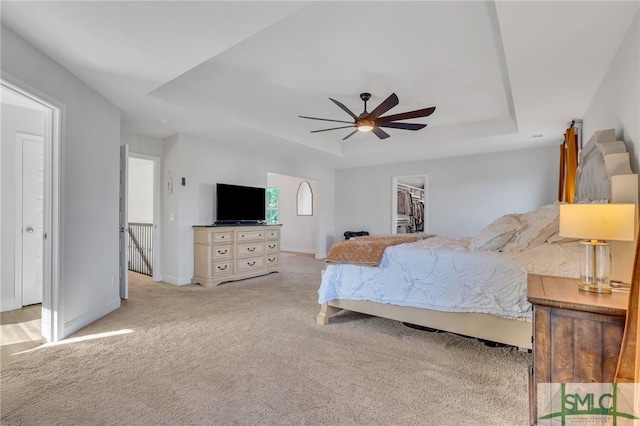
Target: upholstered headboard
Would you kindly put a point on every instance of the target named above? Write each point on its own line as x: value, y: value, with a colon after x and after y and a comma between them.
x: 604, y: 174
x: 602, y: 160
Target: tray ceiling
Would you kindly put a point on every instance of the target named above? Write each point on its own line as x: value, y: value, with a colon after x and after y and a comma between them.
x: 503, y: 75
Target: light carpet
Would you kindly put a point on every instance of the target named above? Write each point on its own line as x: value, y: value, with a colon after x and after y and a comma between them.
x: 249, y: 353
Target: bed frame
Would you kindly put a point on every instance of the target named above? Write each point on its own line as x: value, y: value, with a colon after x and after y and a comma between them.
x: 483, y: 326
x: 604, y: 173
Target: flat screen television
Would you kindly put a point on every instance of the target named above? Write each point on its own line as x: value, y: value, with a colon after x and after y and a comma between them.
x: 236, y: 204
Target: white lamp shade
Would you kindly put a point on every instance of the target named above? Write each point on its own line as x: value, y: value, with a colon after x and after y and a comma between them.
x: 598, y: 221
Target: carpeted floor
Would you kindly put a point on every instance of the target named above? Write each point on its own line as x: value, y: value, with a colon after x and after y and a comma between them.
x: 248, y: 353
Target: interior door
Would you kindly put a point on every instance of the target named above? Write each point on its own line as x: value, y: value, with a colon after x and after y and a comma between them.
x: 124, y: 222
x: 30, y: 185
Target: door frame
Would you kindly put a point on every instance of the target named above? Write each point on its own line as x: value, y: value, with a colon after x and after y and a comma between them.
x: 394, y: 199
x: 52, y: 309
x: 18, y: 214
x: 157, y: 202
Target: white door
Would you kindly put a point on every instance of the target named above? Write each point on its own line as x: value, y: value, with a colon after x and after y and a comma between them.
x: 124, y: 222
x: 30, y: 215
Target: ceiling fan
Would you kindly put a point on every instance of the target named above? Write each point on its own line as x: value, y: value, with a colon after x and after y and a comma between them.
x: 371, y: 121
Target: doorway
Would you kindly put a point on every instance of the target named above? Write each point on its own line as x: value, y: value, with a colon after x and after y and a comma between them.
x: 300, y: 231
x: 29, y: 263
x: 143, y: 214
x: 409, y: 204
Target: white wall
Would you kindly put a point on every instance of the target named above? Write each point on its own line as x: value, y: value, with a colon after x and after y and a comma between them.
x: 171, y: 245
x: 140, y: 191
x: 204, y: 163
x: 299, y: 233
x: 14, y: 119
x: 616, y: 104
x: 141, y: 144
x: 89, y: 182
x: 466, y: 193
x: 463, y: 194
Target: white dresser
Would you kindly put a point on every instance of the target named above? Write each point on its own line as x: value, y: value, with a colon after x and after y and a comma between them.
x: 230, y: 253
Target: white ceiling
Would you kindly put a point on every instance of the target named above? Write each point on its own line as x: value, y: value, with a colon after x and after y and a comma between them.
x: 503, y: 75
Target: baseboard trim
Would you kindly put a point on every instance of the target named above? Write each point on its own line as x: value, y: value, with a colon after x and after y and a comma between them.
x: 84, y: 320
x: 8, y: 305
x: 298, y: 250
x: 170, y: 279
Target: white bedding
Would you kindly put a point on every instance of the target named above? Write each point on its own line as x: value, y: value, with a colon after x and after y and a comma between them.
x: 441, y: 273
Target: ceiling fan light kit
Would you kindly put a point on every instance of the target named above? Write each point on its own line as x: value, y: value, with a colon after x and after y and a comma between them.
x: 372, y: 121
x: 365, y: 125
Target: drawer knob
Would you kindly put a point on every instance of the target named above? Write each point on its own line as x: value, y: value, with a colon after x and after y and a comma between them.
x: 222, y: 252
x: 251, y: 263
x: 272, y: 246
x: 251, y: 248
x: 271, y: 259
x: 222, y: 268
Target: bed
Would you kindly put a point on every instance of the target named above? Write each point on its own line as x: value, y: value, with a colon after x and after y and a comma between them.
x: 474, y: 286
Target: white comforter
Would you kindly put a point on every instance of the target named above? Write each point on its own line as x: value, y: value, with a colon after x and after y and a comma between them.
x: 441, y: 273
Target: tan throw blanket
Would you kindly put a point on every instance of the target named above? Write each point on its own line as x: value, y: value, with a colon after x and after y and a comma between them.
x: 367, y: 251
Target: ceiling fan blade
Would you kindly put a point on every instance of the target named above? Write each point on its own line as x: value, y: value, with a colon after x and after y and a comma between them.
x: 344, y: 108
x: 380, y: 133
x: 324, y: 119
x: 385, y: 106
x: 406, y: 115
x: 350, y: 134
x: 333, y: 128
x: 405, y: 126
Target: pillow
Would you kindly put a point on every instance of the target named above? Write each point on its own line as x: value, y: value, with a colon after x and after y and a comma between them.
x: 556, y: 238
x: 495, y: 235
x: 539, y: 226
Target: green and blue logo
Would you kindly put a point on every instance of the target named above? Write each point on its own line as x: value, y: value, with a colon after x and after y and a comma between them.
x: 588, y: 403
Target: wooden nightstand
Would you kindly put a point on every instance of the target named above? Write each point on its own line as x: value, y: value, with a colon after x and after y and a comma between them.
x: 576, y: 335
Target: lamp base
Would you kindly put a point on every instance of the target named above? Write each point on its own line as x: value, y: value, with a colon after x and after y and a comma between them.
x: 595, y: 288
x: 595, y: 267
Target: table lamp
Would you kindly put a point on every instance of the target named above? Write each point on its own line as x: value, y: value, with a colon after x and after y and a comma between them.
x: 597, y: 223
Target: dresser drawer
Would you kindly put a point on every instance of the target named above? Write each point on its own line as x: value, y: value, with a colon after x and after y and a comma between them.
x: 247, y: 235
x: 273, y: 233
x: 250, y: 249
x: 222, y: 268
x: 218, y: 237
x: 221, y: 252
x: 273, y: 246
x: 273, y: 260
x: 248, y: 264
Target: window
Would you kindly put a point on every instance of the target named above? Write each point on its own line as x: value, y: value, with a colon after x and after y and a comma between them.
x: 273, y: 203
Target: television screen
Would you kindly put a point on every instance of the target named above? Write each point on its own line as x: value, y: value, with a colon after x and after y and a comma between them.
x: 237, y: 204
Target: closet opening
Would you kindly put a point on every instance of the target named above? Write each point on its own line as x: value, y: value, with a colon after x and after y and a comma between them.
x: 409, y: 202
